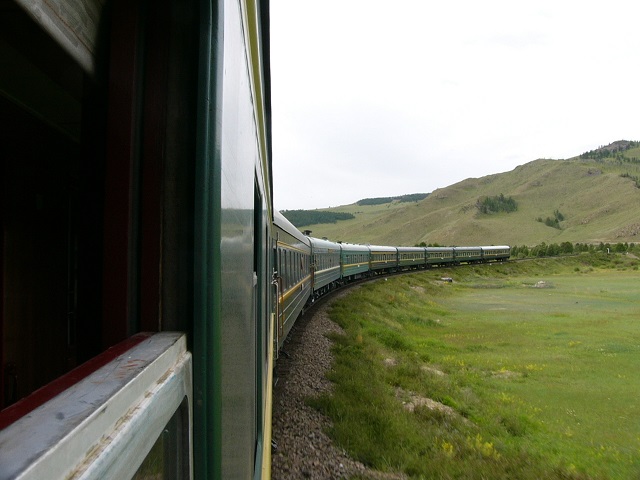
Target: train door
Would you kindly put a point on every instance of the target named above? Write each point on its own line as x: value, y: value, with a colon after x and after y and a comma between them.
x: 263, y: 324
x: 282, y: 282
x: 259, y: 318
x: 279, y: 283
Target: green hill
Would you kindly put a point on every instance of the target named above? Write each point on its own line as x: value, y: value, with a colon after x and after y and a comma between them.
x: 592, y: 198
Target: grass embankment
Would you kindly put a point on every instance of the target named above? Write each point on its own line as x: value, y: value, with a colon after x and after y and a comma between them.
x: 495, y: 375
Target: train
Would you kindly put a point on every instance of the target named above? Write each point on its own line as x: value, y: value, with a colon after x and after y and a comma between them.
x: 147, y: 283
x: 308, y: 268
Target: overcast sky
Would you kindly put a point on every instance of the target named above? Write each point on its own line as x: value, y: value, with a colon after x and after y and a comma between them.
x: 380, y: 98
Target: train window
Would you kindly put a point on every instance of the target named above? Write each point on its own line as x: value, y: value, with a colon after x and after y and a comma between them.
x: 169, y: 456
x: 285, y: 274
x: 292, y: 271
x: 106, y: 415
x: 301, y: 266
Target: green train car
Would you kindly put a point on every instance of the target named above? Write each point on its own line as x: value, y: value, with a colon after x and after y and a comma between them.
x: 411, y: 258
x: 354, y: 261
x: 137, y: 218
x: 293, y: 275
x: 383, y: 258
x: 325, y: 265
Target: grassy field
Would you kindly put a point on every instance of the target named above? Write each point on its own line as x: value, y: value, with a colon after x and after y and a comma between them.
x: 522, y: 370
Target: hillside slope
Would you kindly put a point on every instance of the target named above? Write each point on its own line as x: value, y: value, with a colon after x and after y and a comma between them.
x: 596, y: 194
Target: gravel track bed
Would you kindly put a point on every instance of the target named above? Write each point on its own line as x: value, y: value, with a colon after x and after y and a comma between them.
x: 301, y: 448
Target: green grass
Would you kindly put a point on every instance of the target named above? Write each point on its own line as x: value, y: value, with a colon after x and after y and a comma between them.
x: 541, y: 377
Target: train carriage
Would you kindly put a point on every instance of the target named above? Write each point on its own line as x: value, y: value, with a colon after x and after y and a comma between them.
x: 354, y: 261
x: 135, y: 178
x: 383, y: 258
x: 411, y: 258
x: 325, y: 265
x: 440, y: 255
x: 498, y: 253
x: 467, y: 254
x: 292, y: 252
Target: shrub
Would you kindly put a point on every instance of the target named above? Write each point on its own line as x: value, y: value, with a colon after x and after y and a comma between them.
x: 497, y: 204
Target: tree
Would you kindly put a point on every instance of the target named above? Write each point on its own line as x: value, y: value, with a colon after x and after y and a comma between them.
x: 566, y: 248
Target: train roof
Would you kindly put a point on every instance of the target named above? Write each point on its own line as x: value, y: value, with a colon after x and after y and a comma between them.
x: 382, y: 248
x: 282, y: 223
x: 353, y: 247
x: 321, y: 242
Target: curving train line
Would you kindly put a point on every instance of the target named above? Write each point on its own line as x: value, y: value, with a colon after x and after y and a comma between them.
x: 308, y: 268
x: 146, y: 282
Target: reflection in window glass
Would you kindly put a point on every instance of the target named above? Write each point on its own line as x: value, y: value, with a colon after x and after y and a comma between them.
x: 169, y: 456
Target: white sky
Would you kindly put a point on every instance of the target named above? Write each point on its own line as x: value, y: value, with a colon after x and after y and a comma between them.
x: 378, y: 98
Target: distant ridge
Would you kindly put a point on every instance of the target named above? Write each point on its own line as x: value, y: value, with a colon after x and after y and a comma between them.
x: 591, y: 198
x: 617, y: 146
x: 412, y: 197
x: 302, y: 218
x: 608, y: 150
